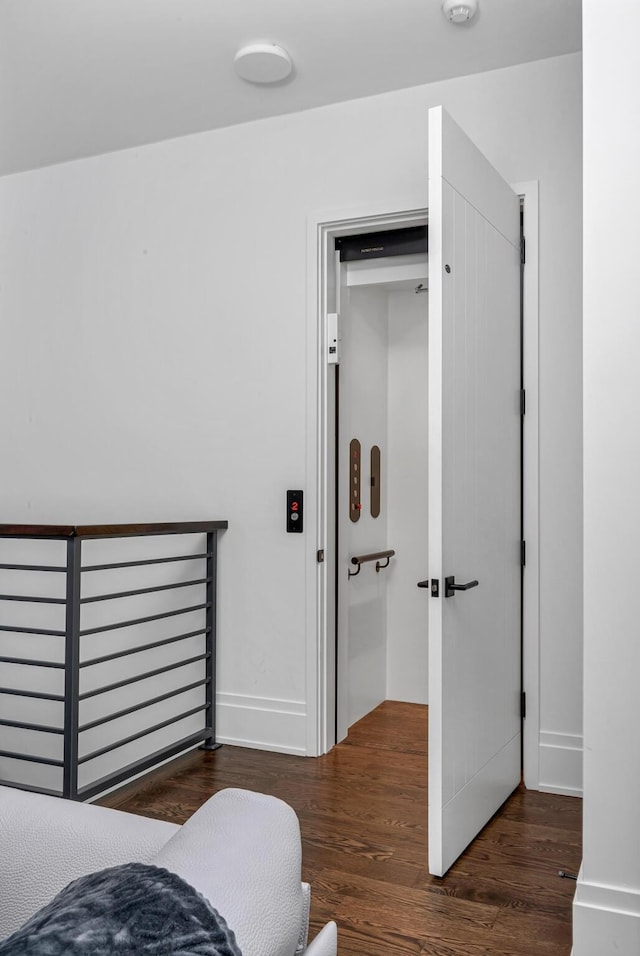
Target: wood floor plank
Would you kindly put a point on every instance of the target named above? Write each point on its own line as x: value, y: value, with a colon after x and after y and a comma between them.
x: 396, y: 903
x: 363, y: 819
x: 515, y: 926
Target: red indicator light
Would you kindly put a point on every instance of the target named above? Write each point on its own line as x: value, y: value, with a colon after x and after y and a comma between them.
x: 294, y: 505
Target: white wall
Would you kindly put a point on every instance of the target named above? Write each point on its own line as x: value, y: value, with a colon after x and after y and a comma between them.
x: 363, y: 415
x: 607, y: 910
x: 407, y: 676
x: 383, y: 400
x: 153, y: 306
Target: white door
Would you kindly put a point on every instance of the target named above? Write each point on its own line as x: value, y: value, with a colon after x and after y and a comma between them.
x: 474, y: 490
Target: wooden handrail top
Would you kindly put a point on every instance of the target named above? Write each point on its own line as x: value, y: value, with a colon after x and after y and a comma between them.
x: 108, y: 530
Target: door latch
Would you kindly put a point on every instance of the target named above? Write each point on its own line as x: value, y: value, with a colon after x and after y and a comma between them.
x: 435, y: 586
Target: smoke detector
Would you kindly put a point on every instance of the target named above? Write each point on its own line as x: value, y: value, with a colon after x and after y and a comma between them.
x: 459, y: 11
x: 263, y: 63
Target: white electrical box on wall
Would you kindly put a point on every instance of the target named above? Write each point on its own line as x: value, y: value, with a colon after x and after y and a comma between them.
x: 333, y: 344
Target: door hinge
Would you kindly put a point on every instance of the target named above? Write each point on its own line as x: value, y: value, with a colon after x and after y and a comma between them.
x: 320, y: 556
x: 523, y: 554
x: 523, y: 401
x: 523, y: 705
x: 523, y: 255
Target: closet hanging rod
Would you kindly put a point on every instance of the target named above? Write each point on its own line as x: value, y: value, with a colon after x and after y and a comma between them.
x: 359, y: 559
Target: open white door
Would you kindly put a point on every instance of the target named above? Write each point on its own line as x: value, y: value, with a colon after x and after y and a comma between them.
x: 474, y: 490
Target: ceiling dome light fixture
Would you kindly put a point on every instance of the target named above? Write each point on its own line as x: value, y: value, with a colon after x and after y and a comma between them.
x: 263, y: 63
x: 459, y: 11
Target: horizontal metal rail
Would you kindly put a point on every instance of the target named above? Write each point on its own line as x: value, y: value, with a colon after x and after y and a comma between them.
x: 142, y: 620
x: 145, y: 703
x: 134, y: 680
x: 29, y: 758
x: 36, y: 695
x: 139, y: 766
x: 29, y: 788
x: 41, y: 728
x: 141, y: 733
x: 142, y: 647
x: 31, y: 600
x: 141, y: 563
x: 133, y: 593
x: 31, y: 630
x: 30, y: 662
x: 33, y: 567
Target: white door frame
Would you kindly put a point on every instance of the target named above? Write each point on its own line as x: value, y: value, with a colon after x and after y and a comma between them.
x: 322, y: 229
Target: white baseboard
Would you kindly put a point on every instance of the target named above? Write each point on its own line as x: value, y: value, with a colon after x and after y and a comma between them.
x: 606, y: 920
x: 561, y: 764
x: 262, y: 723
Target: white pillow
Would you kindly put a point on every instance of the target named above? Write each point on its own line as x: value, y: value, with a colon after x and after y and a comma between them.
x: 242, y: 851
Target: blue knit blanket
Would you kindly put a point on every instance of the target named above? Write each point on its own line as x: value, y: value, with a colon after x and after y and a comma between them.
x: 130, y: 909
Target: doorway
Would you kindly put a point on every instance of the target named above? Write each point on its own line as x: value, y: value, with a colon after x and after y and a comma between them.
x: 476, y: 406
x: 323, y: 228
x: 380, y: 437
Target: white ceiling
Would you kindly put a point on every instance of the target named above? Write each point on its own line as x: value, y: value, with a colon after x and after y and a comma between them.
x: 80, y: 77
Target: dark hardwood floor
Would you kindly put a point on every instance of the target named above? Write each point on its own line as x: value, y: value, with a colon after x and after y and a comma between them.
x: 362, y: 811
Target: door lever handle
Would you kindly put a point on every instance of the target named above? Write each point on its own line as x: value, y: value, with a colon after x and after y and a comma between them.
x: 450, y: 587
x: 423, y: 584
